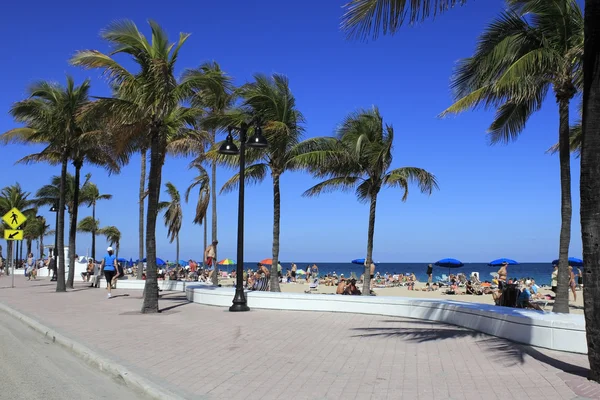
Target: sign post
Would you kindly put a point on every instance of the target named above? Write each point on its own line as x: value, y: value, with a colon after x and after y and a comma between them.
x: 14, y: 218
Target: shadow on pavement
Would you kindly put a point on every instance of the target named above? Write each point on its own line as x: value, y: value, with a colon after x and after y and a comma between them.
x: 504, y: 351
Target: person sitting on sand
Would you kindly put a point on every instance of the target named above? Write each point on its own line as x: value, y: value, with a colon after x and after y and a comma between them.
x: 341, y: 286
x: 469, y: 288
x: 524, y: 299
x: 351, y: 289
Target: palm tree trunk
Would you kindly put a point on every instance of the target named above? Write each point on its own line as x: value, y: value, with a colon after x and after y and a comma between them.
x: 276, y: 231
x: 60, y: 229
x: 94, y: 232
x: 561, y: 304
x: 42, y: 247
x: 73, y: 227
x: 205, y: 233
x: 590, y: 185
x: 157, y: 154
x: 177, y: 250
x: 29, y: 244
x: 213, y: 193
x: 369, y: 259
x: 142, y: 194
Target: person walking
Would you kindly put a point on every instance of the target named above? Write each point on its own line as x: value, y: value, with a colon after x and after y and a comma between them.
x: 429, y: 277
x: 210, y: 254
x: 52, y: 267
x: 109, y: 267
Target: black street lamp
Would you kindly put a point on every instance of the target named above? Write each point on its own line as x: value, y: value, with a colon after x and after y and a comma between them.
x: 54, y: 209
x: 257, y: 141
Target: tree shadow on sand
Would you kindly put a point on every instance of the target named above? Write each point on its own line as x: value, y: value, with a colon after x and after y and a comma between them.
x: 504, y: 351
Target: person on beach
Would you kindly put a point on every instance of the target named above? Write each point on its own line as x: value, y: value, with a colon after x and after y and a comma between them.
x: 572, y: 283
x: 579, y: 278
x: 52, y: 267
x: 30, y: 266
x: 351, y: 289
x: 341, y: 286
x: 210, y: 253
x: 294, y: 269
x: 429, y: 276
x: 109, y: 268
x: 554, y: 279
x: 89, y: 272
x: 308, y: 273
x: 502, y: 274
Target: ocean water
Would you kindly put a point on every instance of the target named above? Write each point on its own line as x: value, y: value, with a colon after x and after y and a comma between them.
x: 541, y: 272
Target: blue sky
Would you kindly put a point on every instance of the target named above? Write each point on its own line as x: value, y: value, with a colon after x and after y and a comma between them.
x: 500, y: 201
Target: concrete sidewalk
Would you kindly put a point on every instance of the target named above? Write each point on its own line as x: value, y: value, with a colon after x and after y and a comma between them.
x: 208, y: 352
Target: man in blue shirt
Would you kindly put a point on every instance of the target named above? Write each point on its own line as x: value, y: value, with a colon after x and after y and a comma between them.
x: 109, y: 266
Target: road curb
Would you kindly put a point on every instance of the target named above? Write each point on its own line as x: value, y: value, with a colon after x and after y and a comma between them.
x: 92, y: 358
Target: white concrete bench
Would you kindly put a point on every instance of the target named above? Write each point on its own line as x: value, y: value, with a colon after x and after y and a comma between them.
x: 564, y: 332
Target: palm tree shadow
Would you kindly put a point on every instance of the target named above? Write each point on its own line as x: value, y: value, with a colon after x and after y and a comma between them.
x: 502, y: 350
x: 174, y: 306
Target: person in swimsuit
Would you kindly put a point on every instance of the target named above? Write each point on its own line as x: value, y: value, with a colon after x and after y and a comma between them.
x: 294, y: 269
x: 572, y: 283
x: 502, y: 274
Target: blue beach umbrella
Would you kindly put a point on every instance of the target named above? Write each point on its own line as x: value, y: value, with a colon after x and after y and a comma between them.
x: 183, y: 263
x: 121, y: 259
x: 359, y: 261
x: 449, y: 263
x: 574, y: 262
x: 501, y: 261
x: 159, y: 261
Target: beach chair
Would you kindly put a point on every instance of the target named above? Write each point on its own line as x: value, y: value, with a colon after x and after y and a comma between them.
x: 224, y: 274
x: 314, y: 285
x: 262, y: 284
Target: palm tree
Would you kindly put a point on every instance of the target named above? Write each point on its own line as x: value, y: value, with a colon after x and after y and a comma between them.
x: 113, y: 235
x: 47, y: 195
x: 360, y: 159
x: 202, y: 181
x: 269, y: 101
x: 43, y: 230
x: 89, y: 225
x: 50, y: 115
x: 545, y: 51
x: 92, y: 196
x: 145, y: 111
x: 216, y: 99
x: 173, y: 215
x: 141, y: 199
x: 13, y: 197
x: 590, y: 183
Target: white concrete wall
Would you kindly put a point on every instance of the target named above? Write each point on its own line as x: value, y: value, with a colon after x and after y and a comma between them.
x: 564, y: 332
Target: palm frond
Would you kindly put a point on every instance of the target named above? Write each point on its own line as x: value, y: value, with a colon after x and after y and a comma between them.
x: 343, y: 183
x: 364, y: 19
x: 401, y: 177
x: 255, y: 173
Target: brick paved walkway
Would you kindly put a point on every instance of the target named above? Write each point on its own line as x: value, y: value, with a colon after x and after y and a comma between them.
x: 208, y: 352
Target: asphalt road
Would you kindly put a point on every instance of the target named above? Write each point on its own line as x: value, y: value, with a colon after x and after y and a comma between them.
x: 32, y: 367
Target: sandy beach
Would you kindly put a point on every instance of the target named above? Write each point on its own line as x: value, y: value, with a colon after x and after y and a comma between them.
x: 576, y: 307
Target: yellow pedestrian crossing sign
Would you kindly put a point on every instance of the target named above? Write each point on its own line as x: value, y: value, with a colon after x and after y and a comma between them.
x: 10, y: 234
x: 14, y: 218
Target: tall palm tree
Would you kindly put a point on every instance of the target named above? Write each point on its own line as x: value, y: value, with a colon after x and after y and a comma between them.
x: 50, y: 118
x: 92, y: 196
x: 14, y: 197
x: 590, y: 184
x: 113, y: 235
x: 366, y: 18
x: 47, y: 195
x: 145, y: 110
x: 269, y: 101
x: 216, y: 98
x: 141, y: 199
x: 544, y: 51
x: 89, y: 225
x: 173, y: 216
x: 202, y: 182
x: 360, y: 159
